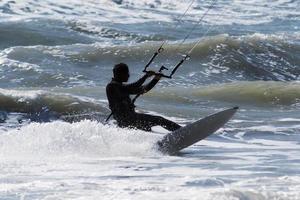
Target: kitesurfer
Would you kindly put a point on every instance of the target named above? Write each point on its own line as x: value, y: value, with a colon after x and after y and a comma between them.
x: 123, y: 109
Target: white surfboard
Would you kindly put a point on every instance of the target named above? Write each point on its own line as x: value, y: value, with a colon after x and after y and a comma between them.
x: 175, y: 141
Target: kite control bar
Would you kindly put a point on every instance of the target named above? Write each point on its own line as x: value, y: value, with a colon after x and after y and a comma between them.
x: 159, y: 73
x: 185, y: 57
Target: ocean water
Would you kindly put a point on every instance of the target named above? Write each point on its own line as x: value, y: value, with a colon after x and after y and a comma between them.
x: 56, y: 58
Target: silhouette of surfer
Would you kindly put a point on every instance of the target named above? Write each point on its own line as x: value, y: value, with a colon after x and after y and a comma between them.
x: 123, y: 109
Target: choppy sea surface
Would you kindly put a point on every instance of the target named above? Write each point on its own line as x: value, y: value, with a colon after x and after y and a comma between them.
x: 56, y: 57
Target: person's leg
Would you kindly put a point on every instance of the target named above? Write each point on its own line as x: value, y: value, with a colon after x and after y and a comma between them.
x: 131, y: 120
x: 147, y: 121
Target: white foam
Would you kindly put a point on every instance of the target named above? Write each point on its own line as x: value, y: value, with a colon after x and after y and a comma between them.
x: 289, y: 120
x: 12, y: 63
x: 131, y: 11
x: 22, y: 94
x: 86, y: 160
x: 85, y: 138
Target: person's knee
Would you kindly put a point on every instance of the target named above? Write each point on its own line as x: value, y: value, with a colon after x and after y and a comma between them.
x: 143, y: 126
x: 159, y: 118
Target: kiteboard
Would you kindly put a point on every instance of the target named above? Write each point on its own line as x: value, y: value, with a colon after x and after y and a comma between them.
x: 184, y: 137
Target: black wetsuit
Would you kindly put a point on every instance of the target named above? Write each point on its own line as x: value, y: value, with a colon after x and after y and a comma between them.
x: 123, y: 110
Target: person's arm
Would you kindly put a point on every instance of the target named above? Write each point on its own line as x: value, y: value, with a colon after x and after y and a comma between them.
x: 142, y: 89
x: 139, y: 82
x: 152, y: 83
x: 136, y: 87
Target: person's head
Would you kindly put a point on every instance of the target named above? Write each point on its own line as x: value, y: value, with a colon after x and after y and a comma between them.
x: 121, y: 72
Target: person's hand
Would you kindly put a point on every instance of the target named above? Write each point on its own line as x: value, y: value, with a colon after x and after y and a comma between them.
x: 158, y: 76
x: 150, y: 73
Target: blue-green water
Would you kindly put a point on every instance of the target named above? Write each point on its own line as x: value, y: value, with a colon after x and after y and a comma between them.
x: 56, y: 58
